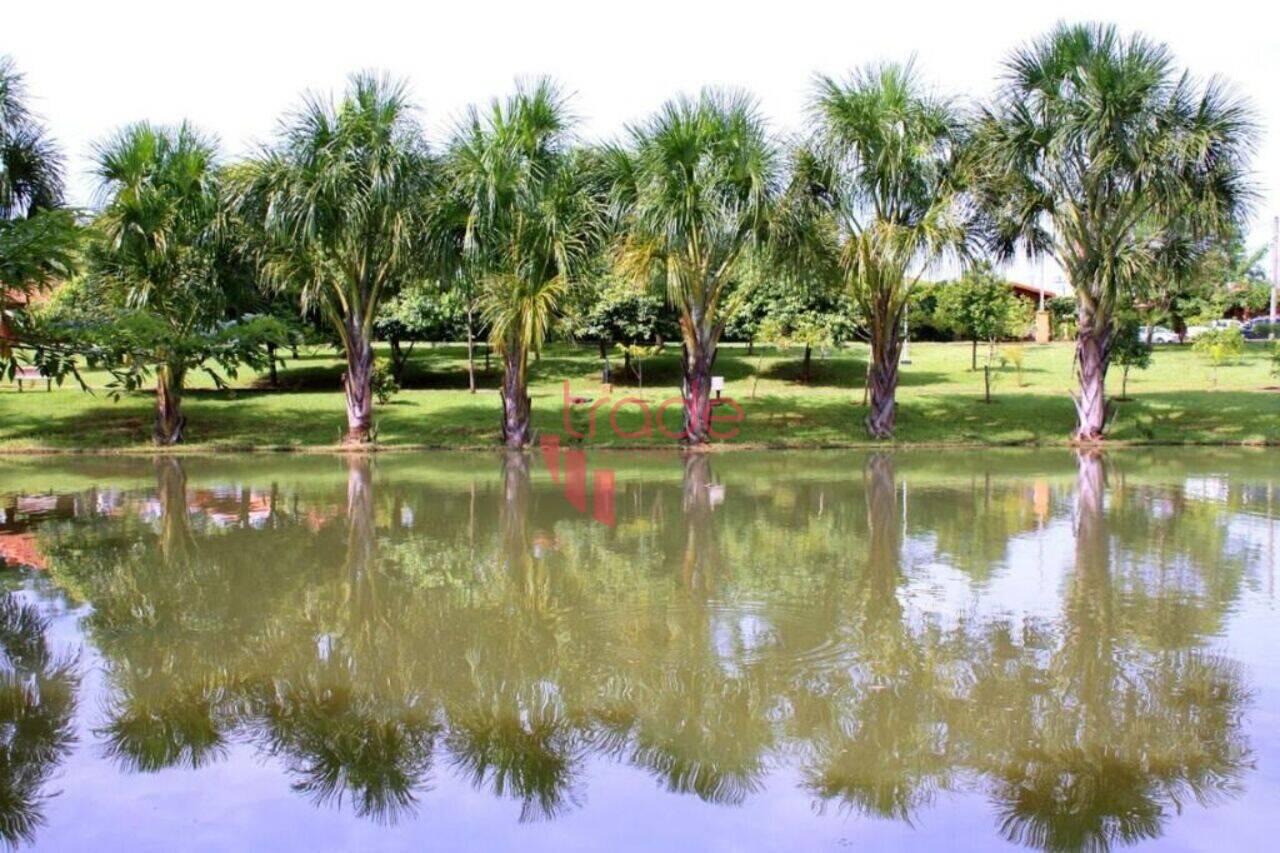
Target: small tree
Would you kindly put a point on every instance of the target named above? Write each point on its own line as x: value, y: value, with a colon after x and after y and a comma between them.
x: 419, y: 313
x: 800, y: 316
x: 620, y: 312
x: 1129, y: 350
x: 155, y: 268
x: 1219, y: 347
x: 981, y: 306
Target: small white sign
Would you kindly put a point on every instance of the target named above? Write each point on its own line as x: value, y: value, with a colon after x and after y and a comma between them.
x: 717, y: 384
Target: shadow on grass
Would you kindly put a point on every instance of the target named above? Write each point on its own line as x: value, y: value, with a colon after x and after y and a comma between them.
x: 259, y: 417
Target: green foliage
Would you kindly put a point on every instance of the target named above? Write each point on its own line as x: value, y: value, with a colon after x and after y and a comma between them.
x: 30, y: 162
x: 621, y: 312
x: 383, y: 381
x: 422, y: 313
x: 981, y: 306
x: 1219, y: 346
x: 38, y: 251
x: 1063, y: 311
x: 772, y: 307
x: 1014, y: 356
x: 1128, y: 349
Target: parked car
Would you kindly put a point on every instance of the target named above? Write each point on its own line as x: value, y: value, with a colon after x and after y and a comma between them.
x: 1260, y: 328
x: 1159, y: 335
x: 1194, y: 332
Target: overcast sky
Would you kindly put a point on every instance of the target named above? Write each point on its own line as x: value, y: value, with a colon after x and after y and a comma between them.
x: 234, y: 67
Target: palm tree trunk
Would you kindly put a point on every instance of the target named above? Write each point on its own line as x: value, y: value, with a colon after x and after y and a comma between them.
x: 699, y: 355
x: 471, y: 354
x: 175, y: 540
x: 358, y: 386
x: 170, y: 421
x: 882, y: 379
x: 516, y: 406
x: 513, y: 516
x: 1092, y: 351
x: 701, y: 561
x: 808, y: 363
x: 884, y: 535
x: 361, y: 518
x: 973, y: 356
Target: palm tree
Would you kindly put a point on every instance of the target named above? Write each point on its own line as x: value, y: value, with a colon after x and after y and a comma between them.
x: 523, y: 221
x: 336, y: 209
x: 38, y: 239
x: 1095, y: 147
x: 30, y: 162
x: 694, y: 189
x: 874, y: 197
x: 159, y: 192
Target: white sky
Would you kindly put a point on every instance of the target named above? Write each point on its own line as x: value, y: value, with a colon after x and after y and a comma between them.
x: 234, y: 67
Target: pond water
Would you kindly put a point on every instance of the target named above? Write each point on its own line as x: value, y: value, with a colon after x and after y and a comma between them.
x: 566, y: 651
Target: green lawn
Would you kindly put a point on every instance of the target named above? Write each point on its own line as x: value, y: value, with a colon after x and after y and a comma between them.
x: 1179, y: 400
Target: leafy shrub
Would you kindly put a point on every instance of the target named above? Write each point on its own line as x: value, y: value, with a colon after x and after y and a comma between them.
x: 1264, y: 330
x: 1219, y: 346
x: 1129, y: 351
x: 1013, y: 356
x: 384, y: 381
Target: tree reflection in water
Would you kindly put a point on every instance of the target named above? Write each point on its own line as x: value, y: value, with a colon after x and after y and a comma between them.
x: 37, y: 700
x: 378, y: 640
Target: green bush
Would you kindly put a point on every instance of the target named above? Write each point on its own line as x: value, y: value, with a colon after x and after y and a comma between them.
x: 384, y: 382
x: 1220, y: 346
x: 1129, y: 351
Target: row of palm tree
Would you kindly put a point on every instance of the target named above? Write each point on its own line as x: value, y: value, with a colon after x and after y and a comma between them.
x: 1096, y: 151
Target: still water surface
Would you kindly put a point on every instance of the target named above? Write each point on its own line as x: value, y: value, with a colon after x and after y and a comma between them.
x: 774, y: 651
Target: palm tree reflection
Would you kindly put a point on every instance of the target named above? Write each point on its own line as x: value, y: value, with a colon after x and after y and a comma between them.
x: 37, y: 701
x: 1111, y: 737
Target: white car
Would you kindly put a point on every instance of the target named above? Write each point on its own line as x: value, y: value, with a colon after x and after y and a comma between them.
x: 1194, y: 332
x: 1159, y: 335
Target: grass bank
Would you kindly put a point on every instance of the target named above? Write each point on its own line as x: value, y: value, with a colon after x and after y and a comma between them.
x: 1180, y: 400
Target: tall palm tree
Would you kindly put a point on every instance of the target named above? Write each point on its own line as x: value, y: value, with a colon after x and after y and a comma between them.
x: 30, y: 162
x: 38, y: 239
x: 158, y: 188
x: 335, y: 207
x: 524, y: 221
x: 1094, y: 147
x: 693, y: 189
x: 874, y: 196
